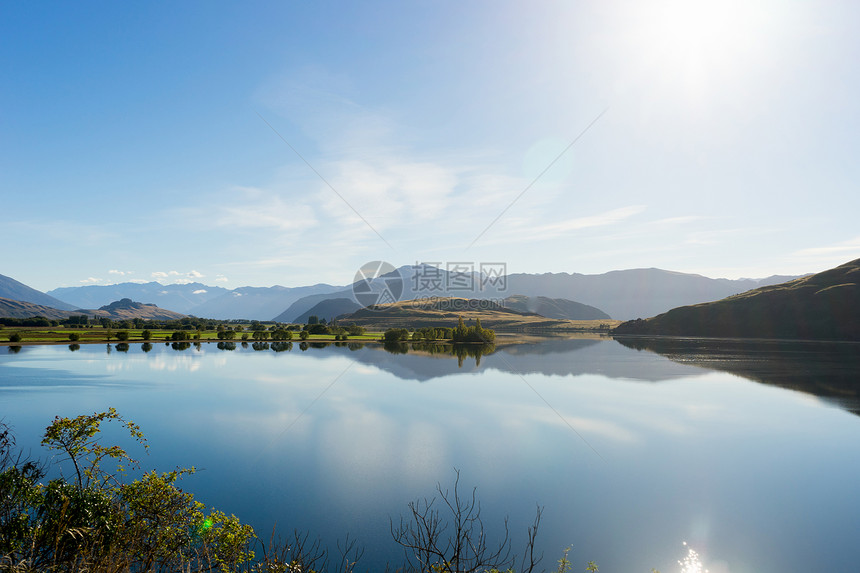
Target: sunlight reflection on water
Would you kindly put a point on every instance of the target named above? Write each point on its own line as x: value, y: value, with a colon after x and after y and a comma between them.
x: 691, y: 563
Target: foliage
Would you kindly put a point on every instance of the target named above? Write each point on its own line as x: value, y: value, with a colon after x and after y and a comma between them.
x: 97, y: 522
x: 76, y: 438
x: 318, y: 328
x: 74, y: 336
x: 103, y: 522
x: 474, y: 333
x: 15, y: 337
x: 395, y: 335
x: 355, y: 330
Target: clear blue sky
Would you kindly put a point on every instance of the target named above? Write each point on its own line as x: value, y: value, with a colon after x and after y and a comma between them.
x: 135, y: 141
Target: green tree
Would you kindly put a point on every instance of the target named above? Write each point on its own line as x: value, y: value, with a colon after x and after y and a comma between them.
x: 395, y: 335
x: 146, y: 334
x: 76, y: 439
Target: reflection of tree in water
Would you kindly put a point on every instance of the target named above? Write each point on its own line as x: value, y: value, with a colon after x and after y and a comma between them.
x: 122, y: 347
x: 353, y: 346
x: 180, y: 346
x: 281, y: 346
x: 74, y: 347
x: 395, y: 347
x: 260, y: 346
x: 146, y: 346
x: 226, y: 346
x: 461, y: 351
x: 14, y: 349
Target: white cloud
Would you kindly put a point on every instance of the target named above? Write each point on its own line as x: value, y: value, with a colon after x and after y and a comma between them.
x: 178, y: 277
x: 523, y: 227
x: 120, y: 273
x: 599, y: 220
x: 850, y: 248
x: 200, y: 291
x: 91, y: 280
x: 221, y: 279
x: 259, y: 210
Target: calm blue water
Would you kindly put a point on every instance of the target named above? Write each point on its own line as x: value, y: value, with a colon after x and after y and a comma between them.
x: 631, y: 450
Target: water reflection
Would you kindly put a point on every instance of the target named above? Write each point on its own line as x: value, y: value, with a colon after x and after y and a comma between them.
x: 829, y: 370
x: 304, y: 441
x: 691, y: 562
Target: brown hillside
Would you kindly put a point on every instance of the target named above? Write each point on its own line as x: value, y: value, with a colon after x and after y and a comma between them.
x: 444, y: 312
x: 824, y: 306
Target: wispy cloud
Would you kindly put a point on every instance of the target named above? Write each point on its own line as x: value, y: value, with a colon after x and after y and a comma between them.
x: 261, y: 210
x: 91, y: 281
x: 849, y: 248
x: 527, y: 228
x: 177, y: 277
x: 611, y: 217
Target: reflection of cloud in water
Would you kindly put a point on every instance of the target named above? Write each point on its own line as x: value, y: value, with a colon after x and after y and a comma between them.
x: 602, y: 428
x: 174, y: 364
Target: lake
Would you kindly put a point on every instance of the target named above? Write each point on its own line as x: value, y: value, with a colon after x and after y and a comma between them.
x: 748, y: 452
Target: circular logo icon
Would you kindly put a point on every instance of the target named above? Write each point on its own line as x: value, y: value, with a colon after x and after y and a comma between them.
x: 377, y: 282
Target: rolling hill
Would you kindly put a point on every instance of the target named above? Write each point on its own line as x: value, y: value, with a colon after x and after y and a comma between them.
x: 20, y: 309
x: 124, y: 309
x: 444, y: 312
x: 824, y: 306
x: 559, y: 308
x: 127, y: 309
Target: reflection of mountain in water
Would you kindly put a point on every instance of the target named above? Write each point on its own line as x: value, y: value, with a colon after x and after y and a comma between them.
x: 829, y: 370
x: 552, y: 357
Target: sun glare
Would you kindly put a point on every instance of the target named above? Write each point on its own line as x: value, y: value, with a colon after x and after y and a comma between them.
x: 697, y: 45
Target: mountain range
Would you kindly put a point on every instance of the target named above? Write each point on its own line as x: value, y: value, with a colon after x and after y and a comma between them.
x: 622, y: 295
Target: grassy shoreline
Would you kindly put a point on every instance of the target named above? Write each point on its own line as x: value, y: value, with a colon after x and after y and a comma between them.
x: 38, y: 336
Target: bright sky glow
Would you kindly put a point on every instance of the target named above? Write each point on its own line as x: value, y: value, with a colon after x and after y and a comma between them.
x: 134, y: 142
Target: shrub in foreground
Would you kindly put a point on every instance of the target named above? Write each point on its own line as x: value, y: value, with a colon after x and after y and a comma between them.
x: 101, y: 520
